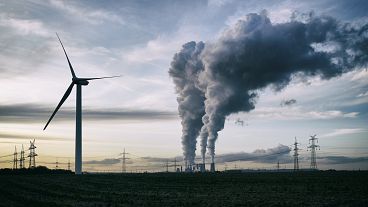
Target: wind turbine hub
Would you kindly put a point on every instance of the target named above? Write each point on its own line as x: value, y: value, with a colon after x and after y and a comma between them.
x: 80, y: 81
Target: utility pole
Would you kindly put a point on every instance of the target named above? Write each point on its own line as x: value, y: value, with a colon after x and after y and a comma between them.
x: 21, y: 160
x: 313, y: 147
x: 15, y: 159
x: 296, y: 154
x: 123, y: 164
x: 278, y: 165
x: 32, y: 154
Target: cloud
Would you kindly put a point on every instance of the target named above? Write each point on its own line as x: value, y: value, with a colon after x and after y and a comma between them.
x: 363, y: 94
x: 82, y: 13
x: 38, y: 113
x: 339, y: 132
x: 342, y: 159
x: 24, y: 26
x: 108, y: 161
x: 271, y: 155
x: 18, y: 136
x: 297, y: 113
x: 288, y: 102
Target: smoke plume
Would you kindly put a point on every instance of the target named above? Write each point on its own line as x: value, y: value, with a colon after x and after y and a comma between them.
x: 255, y: 54
x: 184, y: 70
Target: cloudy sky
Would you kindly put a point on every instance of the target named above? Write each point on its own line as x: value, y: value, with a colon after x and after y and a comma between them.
x: 138, y: 111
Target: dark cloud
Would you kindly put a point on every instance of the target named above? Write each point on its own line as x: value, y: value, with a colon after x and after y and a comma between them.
x: 39, y: 113
x: 288, y: 102
x: 255, y: 54
x: 109, y: 161
x: 28, y: 137
x: 272, y: 155
x: 342, y: 159
x: 162, y: 159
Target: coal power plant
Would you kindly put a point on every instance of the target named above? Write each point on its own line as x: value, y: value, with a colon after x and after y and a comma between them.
x: 221, y: 77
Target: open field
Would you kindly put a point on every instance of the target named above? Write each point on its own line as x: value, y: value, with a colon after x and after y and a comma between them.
x: 171, y: 189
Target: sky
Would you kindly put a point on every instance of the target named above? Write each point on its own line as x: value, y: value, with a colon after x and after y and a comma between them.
x: 139, y: 111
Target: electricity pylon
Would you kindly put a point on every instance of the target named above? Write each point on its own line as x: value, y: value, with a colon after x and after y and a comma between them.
x: 313, y: 147
x: 296, y: 154
x: 21, y: 159
x: 32, y: 154
x: 123, y: 164
x: 15, y: 158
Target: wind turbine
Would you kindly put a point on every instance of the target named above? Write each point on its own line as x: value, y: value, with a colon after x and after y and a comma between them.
x: 78, y: 118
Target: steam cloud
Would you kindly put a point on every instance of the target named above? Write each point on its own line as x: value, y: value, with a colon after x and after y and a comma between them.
x: 224, y: 77
x: 184, y: 70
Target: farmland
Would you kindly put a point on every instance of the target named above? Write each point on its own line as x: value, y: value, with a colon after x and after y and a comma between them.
x: 177, y: 189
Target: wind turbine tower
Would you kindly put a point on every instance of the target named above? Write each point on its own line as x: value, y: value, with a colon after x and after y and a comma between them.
x: 78, y: 118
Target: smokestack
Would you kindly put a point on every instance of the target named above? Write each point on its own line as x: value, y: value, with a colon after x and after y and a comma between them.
x: 213, y: 167
x: 213, y: 164
x: 202, y: 167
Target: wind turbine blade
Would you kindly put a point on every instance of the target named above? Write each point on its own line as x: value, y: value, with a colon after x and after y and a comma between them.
x: 100, y: 77
x: 67, y: 93
x: 70, y: 65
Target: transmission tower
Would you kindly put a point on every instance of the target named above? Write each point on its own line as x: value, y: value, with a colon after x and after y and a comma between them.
x: 123, y: 164
x: 175, y: 170
x: 278, y: 165
x: 15, y: 158
x: 21, y: 159
x: 296, y: 154
x: 56, y: 164
x: 313, y: 147
x: 167, y: 165
x: 32, y: 154
x: 68, y: 164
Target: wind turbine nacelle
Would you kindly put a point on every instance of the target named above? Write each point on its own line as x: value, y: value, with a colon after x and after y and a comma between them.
x: 82, y: 82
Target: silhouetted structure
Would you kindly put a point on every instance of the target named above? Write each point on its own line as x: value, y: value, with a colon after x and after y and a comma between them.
x: 313, y: 147
x: 212, y: 167
x: 22, y: 159
x: 167, y: 165
x: 296, y: 154
x: 15, y: 158
x: 123, y: 165
x: 32, y: 154
x: 78, y: 132
x: 56, y: 164
x: 175, y: 165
